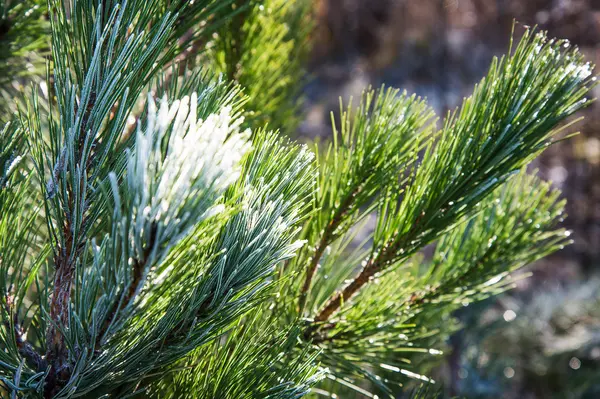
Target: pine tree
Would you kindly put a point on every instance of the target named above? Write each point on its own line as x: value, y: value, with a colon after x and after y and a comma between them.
x: 158, y: 238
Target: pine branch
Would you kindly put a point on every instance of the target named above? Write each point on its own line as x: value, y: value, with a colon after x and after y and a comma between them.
x: 154, y: 237
x: 249, y: 363
x: 376, y: 145
x: 196, y: 284
x: 407, y: 308
x: 326, y: 239
x: 21, y: 254
x: 103, y: 62
x: 65, y: 258
x: 172, y: 228
x: 509, y: 119
x: 135, y: 285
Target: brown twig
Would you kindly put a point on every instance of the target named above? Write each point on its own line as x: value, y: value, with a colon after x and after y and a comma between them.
x: 316, y: 328
x: 139, y: 266
x: 317, y: 335
x: 373, y: 265
x: 335, y: 302
x: 57, y: 354
x: 326, y: 239
x: 312, y: 268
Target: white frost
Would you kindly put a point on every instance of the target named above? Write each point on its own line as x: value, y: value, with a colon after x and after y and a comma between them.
x: 181, y: 165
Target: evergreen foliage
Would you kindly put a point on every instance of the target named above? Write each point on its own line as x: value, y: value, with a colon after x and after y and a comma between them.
x: 158, y: 240
x: 23, y: 44
x: 261, y: 48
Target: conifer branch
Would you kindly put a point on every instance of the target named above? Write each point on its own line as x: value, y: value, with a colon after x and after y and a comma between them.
x: 480, y: 147
x: 65, y: 259
x: 348, y: 292
x: 171, y: 237
x: 326, y: 238
x: 99, y: 43
x: 372, y: 149
x: 517, y: 225
x: 134, y: 286
x: 374, y: 265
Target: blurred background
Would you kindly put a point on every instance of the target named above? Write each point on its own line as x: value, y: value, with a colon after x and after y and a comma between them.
x: 541, y: 340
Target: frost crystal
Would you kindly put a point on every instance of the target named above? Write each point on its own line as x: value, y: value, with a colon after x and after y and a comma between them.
x: 181, y: 165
